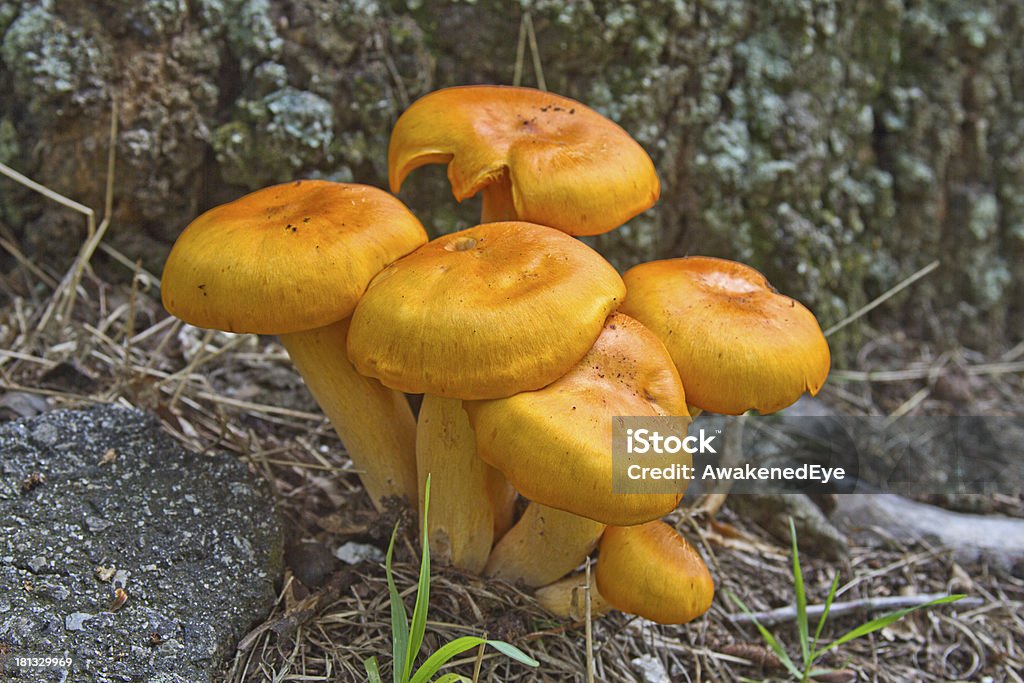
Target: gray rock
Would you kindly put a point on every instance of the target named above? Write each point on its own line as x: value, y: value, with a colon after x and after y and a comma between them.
x: 197, y: 572
x: 816, y: 535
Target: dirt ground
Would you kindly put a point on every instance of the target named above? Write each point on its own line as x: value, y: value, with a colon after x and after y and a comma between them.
x: 109, y: 340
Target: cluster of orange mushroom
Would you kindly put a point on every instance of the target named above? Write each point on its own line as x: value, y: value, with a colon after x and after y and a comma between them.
x: 525, y: 342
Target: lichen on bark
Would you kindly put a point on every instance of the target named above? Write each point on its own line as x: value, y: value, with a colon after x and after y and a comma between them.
x: 838, y: 146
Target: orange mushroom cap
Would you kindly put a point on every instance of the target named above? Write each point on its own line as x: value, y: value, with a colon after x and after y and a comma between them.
x: 651, y: 570
x: 738, y: 343
x: 484, y: 313
x: 554, y: 445
x: 286, y: 258
x: 568, y: 166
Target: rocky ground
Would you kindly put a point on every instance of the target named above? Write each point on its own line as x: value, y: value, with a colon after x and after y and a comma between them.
x: 125, y: 554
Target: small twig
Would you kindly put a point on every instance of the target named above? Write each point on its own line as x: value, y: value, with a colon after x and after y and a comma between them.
x: 148, y: 278
x: 995, y: 368
x: 588, y: 626
x: 308, y: 465
x: 892, y: 602
x: 18, y: 355
x: 200, y: 356
x: 53, y: 393
x: 63, y: 299
x: 479, y: 660
x: 538, y: 69
x: 90, y: 220
x: 89, y: 248
x: 527, y: 34
x: 904, y: 408
x: 13, y: 250
x: 389, y: 64
x: 50, y: 194
x: 922, y: 373
x: 129, y: 322
x: 517, y: 71
x: 1014, y: 353
x: 919, y: 397
x: 260, y: 408
x: 883, y: 298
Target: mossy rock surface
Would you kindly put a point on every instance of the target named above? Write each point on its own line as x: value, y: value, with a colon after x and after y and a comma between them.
x: 838, y: 146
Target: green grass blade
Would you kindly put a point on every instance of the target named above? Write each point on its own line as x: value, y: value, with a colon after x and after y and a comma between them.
x: 886, y: 619
x: 769, y: 639
x: 824, y: 616
x: 513, y: 652
x: 372, y: 670
x: 801, y: 599
x: 399, y: 619
x: 419, y: 610
x: 443, y: 655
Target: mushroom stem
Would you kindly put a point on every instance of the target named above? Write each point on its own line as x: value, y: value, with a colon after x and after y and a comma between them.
x: 503, y: 502
x: 375, y: 423
x: 566, y: 598
x: 544, y: 545
x: 498, y: 204
x: 465, y: 489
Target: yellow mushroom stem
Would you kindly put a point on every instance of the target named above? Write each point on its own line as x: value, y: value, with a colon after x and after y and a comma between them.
x: 497, y: 201
x: 567, y: 598
x: 543, y: 546
x: 375, y: 423
x: 503, y: 502
x: 470, y: 499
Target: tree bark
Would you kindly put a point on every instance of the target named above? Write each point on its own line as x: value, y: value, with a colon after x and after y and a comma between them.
x: 836, y: 145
